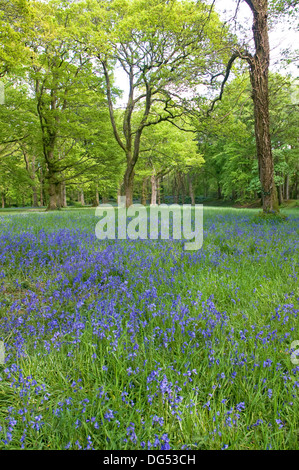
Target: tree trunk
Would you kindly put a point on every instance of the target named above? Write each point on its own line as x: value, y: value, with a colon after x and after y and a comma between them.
x: 175, y: 190
x: 206, y: 189
x: 96, y: 200
x: 154, y: 190
x: 2, y: 201
x: 259, y: 76
x: 296, y: 187
x: 128, y: 185
x: 30, y: 167
x: 120, y: 190
x: 162, y: 190
x: 144, y: 191
x: 287, y: 188
x: 81, y: 197
x: 53, y: 181
x: 34, y: 197
x: 63, y: 195
x: 191, y: 190
x: 41, y: 194
x: 280, y: 195
x: 182, y: 186
x: 158, y: 191
x: 34, y: 188
x: 54, y: 196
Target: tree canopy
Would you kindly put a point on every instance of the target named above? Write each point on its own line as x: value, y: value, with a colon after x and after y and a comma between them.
x: 194, y: 123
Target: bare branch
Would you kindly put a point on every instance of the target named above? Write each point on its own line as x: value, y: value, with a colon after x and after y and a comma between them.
x: 110, y: 105
x: 238, y: 54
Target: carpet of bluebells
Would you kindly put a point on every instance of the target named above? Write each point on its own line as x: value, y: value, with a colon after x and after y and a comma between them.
x: 143, y: 345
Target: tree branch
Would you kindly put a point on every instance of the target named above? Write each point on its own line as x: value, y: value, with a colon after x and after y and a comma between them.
x: 237, y: 54
x: 110, y: 105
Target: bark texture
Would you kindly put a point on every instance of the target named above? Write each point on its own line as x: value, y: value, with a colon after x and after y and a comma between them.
x: 259, y: 76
